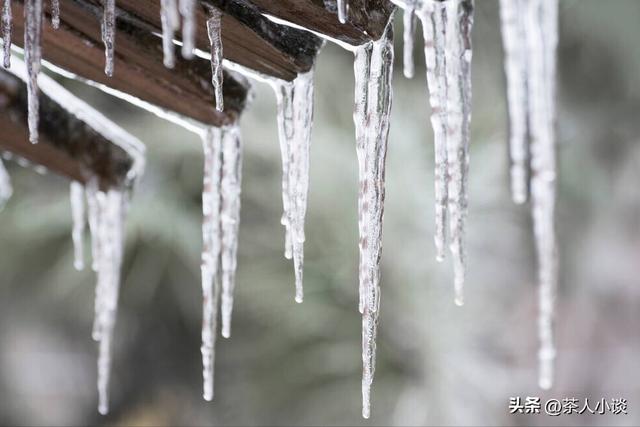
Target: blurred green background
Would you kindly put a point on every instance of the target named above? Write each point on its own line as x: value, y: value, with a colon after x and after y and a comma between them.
x: 300, y: 364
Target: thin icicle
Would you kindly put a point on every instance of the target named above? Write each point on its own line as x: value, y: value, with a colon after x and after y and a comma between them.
x: 512, y: 16
x: 458, y: 71
x: 6, y: 190
x: 214, y: 27
x: 6, y: 22
x: 230, y: 186
x: 409, y: 21
x: 542, y: 34
x: 343, y: 10
x: 55, y: 14
x: 373, y: 69
x: 109, y: 34
x: 33, y: 56
x: 79, y: 221
x: 109, y: 236
x: 211, y: 247
x: 170, y: 23
x: 295, y: 119
x: 188, y: 12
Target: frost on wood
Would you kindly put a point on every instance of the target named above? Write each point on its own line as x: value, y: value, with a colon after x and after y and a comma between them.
x: 295, y: 119
x: 221, y: 217
x: 170, y: 24
x: 6, y: 190
x: 109, y: 34
x: 343, y: 10
x: 214, y: 27
x: 373, y: 69
x: 55, y: 14
x: 78, y: 216
x: 6, y: 25
x: 33, y: 57
x: 188, y: 13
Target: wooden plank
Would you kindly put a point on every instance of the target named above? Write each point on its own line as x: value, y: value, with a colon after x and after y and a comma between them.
x: 248, y: 38
x: 67, y: 146
x: 139, y: 71
x: 366, y: 19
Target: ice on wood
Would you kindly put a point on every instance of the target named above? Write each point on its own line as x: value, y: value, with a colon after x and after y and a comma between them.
x: 373, y: 69
x: 214, y: 27
x: 78, y: 216
x: 170, y: 20
x: 343, y: 10
x: 33, y: 57
x: 187, y: 10
x: 295, y: 119
x: 109, y: 34
x: 6, y: 23
x: 55, y: 14
x: 6, y: 190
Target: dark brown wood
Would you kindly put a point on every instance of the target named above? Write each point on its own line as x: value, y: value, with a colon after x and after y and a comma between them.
x: 67, y: 146
x: 248, y: 38
x: 139, y: 71
x: 366, y: 19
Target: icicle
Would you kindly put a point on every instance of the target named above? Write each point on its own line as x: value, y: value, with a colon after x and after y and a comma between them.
x: 6, y: 190
x: 109, y: 237
x: 170, y: 23
x: 55, y: 14
x: 458, y: 71
x: 295, y: 119
x: 33, y: 56
x: 343, y: 10
x: 230, y: 219
x: 409, y: 21
x: 214, y: 28
x: 109, y: 34
x: 211, y: 238
x: 373, y: 69
x: 512, y: 16
x: 542, y: 33
x: 6, y: 32
x: 188, y: 13
x: 78, y: 216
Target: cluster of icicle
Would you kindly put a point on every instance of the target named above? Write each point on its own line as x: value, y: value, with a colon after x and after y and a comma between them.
x: 530, y: 38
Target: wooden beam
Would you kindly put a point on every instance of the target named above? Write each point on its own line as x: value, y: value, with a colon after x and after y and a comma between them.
x: 139, y: 71
x: 67, y: 145
x: 366, y: 19
x: 248, y: 38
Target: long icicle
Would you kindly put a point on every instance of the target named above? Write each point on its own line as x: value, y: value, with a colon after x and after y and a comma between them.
x: 78, y: 216
x: 55, y: 14
x: 170, y: 23
x: 343, y: 10
x: 6, y: 190
x: 373, y: 70
x: 542, y: 34
x: 214, y: 28
x: 512, y: 17
x: 33, y: 56
x: 458, y: 71
x: 295, y: 119
x: 409, y: 28
x: 230, y: 186
x: 211, y: 246
x: 109, y: 34
x: 7, y: 24
x: 187, y: 10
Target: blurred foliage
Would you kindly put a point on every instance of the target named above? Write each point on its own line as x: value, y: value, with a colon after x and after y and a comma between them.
x: 300, y: 364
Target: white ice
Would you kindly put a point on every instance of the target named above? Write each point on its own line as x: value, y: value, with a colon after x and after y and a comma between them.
x: 170, y: 20
x: 343, y: 10
x: 78, y: 216
x: 214, y: 28
x: 55, y: 14
x: 109, y: 34
x: 32, y: 57
x: 6, y: 190
x: 6, y: 23
x: 187, y: 10
x: 409, y: 27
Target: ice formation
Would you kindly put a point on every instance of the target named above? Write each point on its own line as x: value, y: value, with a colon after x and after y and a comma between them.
x: 187, y: 10
x: 6, y: 32
x: 55, y: 14
x: 409, y: 27
x: 221, y: 218
x: 373, y: 68
x: 343, y: 10
x: 76, y: 193
x: 295, y: 119
x: 109, y: 34
x: 214, y: 27
x: 32, y: 57
x: 170, y: 23
x: 530, y: 37
x: 6, y: 190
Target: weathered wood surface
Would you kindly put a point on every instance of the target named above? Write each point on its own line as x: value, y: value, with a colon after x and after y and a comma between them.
x: 139, y: 71
x: 67, y: 146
